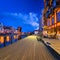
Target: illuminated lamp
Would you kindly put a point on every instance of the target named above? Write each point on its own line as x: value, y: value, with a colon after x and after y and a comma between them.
x: 52, y: 26
x: 7, y: 38
x: 1, y: 39
x: 49, y: 27
x: 15, y: 36
x: 45, y: 27
x: 58, y: 24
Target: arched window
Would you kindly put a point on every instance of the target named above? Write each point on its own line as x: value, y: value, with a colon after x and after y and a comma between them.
x: 52, y: 20
x: 58, y: 17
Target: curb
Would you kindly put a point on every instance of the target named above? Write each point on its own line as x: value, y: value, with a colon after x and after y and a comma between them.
x: 51, y: 50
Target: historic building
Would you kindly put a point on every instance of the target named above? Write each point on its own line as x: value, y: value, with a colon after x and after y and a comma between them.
x: 19, y: 31
x: 51, y: 17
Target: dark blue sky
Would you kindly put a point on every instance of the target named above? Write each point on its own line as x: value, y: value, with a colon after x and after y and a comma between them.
x: 16, y: 12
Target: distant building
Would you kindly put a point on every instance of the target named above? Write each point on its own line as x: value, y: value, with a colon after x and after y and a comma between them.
x: 8, y: 29
x: 1, y: 26
x: 19, y: 29
x: 19, y: 32
x: 36, y: 31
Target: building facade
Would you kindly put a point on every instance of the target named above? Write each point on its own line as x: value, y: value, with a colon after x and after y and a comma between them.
x: 19, y: 32
x: 51, y: 17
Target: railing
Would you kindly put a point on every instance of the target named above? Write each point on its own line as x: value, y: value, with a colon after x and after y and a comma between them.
x: 7, y: 39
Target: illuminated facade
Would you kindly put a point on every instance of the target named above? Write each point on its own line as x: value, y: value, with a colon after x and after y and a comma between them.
x: 51, y: 17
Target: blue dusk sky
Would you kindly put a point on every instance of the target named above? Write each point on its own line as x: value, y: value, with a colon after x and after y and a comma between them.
x: 24, y: 13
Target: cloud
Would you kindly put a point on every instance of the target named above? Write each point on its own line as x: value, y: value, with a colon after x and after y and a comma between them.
x: 37, y: 28
x: 30, y: 19
x: 34, y: 24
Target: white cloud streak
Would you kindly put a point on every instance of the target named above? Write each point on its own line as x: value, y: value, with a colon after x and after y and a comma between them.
x: 30, y: 18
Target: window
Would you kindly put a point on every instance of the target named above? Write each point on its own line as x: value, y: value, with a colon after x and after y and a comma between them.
x: 47, y: 3
x: 54, y: 3
x: 48, y: 22
x: 58, y: 17
x: 52, y: 21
